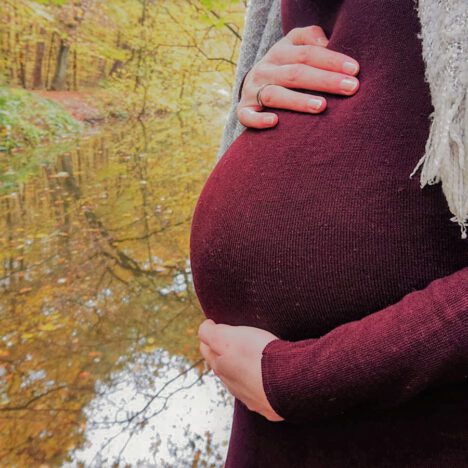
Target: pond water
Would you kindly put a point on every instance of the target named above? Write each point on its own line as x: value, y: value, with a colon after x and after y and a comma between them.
x: 99, y: 352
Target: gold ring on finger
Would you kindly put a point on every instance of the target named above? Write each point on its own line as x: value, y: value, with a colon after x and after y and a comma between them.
x: 259, y: 98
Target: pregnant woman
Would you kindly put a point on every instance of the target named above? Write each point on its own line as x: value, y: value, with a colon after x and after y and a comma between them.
x: 336, y: 290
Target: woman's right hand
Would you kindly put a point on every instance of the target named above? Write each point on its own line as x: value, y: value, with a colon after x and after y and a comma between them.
x: 298, y: 60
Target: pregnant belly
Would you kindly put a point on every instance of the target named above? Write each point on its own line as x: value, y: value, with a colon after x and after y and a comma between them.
x: 296, y: 233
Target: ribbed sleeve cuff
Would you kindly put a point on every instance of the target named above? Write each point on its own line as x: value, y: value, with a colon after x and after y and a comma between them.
x: 376, y: 362
x: 279, y: 368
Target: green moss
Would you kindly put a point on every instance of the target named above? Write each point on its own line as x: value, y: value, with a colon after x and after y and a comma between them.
x: 27, y: 119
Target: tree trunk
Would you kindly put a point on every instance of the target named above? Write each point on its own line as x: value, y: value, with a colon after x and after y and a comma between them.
x: 101, y: 68
x: 75, y: 70
x: 140, y: 50
x: 61, y: 69
x: 116, y: 66
x: 37, y: 73
x: 21, y: 66
x: 49, y: 60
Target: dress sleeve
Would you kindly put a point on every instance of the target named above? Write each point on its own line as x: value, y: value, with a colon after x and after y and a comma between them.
x: 376, y: 362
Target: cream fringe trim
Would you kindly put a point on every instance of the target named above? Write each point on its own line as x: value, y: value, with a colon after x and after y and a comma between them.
x: 444, y: 35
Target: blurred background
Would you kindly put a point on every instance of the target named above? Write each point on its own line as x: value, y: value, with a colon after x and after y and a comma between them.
x: 111, y: 113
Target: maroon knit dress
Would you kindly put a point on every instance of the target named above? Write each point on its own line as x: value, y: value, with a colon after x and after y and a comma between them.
x: 314, y: 231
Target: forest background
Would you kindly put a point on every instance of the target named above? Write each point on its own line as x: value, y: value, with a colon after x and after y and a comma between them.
x: 119, y: 58
x: 111, y: 113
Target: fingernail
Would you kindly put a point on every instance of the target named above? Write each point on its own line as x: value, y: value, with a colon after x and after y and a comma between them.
x: 322, y: 41
x: 350, y: 67
x: 349, y: 84
x: 269, y: 119
x: 314, y: 103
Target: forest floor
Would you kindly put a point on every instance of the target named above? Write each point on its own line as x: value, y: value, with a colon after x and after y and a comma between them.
x: 29, y: 118
x: 78, y: 104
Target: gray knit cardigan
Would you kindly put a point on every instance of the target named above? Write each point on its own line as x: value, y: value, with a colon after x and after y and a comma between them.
x: 444, y: 36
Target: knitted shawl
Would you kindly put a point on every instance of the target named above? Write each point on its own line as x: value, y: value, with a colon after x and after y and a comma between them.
x: 444, y: 39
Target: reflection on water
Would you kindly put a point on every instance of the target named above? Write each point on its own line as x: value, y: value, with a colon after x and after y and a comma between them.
x: 100, y: 360
x: 162, y: 427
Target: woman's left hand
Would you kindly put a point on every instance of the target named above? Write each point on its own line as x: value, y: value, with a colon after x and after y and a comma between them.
x: 234, y: 353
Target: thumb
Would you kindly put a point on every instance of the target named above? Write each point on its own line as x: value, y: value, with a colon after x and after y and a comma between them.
x: 318, y: 36
x: 219, y: 337
x: 206, y: 331
x: 308, y: 35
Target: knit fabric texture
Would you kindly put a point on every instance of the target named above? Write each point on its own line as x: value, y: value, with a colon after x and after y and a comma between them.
x: 444, y: 25
x: 314, y: 231
x: 444, y: 34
